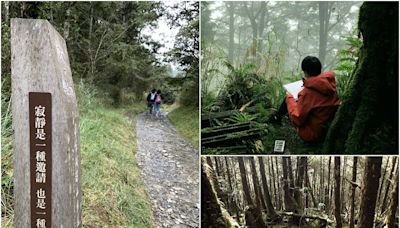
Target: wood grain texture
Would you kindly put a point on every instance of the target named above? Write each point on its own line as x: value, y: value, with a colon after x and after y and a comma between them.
x: 39, y: 63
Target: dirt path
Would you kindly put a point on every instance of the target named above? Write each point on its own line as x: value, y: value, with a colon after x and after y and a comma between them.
x: 170, y: 169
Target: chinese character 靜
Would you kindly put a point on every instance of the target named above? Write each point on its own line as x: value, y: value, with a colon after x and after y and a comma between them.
x: 40, y: 122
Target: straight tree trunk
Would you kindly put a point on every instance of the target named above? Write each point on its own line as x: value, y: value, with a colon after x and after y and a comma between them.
x: 382, y: 181
x: 299, y: 182
x: 259, y: 199
x: 386, y: 191
x: 217, y: 167
x: 328, y: 201
x: 394, y: 202
x: 343, y: 184
x: 323, y: 29
x: 337, y: 193
x: 278, y: 184
x: 372, y: 173
x: 245, y: 184
x: 270, y: 208
x: 290, y: 203
x: 353, y: 193
x: 231, y: 48
x: 274, y: 180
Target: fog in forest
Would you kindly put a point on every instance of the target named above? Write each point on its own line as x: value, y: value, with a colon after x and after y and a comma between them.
x: 274, y: 37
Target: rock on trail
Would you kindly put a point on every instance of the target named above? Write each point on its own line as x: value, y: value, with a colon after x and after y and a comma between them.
x: 170, y: 169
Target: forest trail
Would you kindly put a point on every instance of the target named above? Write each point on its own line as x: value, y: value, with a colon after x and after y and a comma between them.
x: 169, y: 166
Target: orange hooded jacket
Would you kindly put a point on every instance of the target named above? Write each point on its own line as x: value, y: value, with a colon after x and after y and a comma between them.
x: 315, y: 107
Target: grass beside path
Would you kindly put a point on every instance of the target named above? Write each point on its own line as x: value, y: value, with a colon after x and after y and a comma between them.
x: 113, y: 191
x: 186, y: 121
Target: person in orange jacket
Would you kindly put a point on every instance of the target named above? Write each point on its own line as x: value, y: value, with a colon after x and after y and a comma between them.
x: 316, y: 105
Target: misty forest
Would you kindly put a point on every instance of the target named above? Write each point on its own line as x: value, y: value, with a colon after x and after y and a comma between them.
x: 271, y: 191
x: 249, y: 50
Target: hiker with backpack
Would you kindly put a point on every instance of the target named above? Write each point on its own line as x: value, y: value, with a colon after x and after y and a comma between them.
x: 151, y: 97
x: 157, y: 103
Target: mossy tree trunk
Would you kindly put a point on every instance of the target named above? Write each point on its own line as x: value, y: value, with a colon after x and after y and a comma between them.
x: 367, y: 119
x: 211, y: 209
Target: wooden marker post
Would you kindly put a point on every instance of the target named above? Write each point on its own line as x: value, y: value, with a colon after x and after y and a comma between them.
x: 46, y: 128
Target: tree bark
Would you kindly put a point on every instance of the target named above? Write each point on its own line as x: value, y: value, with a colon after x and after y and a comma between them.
x: 259, y: 199
x: 273, y: 180
x: 394, y: 203
x: 382, y: 181
x: 372, y: 173
x: 270, y: 208
x: 278, y: 184
x: 360, y: 126
x: 245, y: 184
x: 353, y: 193
x: 383, y: 205
x: 328, y: 198
x: 299, y: 182
x: 290, y: 203
x: 337, y: 193
x: 211, y: 212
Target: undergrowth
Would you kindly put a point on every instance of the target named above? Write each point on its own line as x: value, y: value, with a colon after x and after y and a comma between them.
x: 186, y: 121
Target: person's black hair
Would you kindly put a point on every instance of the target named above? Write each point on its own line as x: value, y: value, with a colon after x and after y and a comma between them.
x: 311, y: 65
x: 158, y: 91
x: 153, y: 90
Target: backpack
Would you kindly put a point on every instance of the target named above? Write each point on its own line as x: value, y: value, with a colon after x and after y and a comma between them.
x: 158, y: 98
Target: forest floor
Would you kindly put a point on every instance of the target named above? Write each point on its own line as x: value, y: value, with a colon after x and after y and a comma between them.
x: 170, y: 169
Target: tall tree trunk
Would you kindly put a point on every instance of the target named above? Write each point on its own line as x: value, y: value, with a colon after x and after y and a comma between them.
x: 245, y: 184
x: 270, y: 208
x: 337, y: 193
x: 394, y: 202
x: 372, y: 173
x: 323, y: 29
x: 382, y: 181
x: 259, y: 199
x: 384, y: 206
x: 290, y: 172
x: 290, y: 203
x: 353, y: 192
x: 299, y: 182
x: 328, y: 198
x: 231, y: 48
x: 274, y: 181
x: 217, y: 167
x: 360, y: 126
x: 228, y: 173
x: 278, y: 184
x: 343, y: 184
x: 314, y: 201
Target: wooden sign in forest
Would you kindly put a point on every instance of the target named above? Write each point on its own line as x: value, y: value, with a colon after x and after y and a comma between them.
x: 46, y: 128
